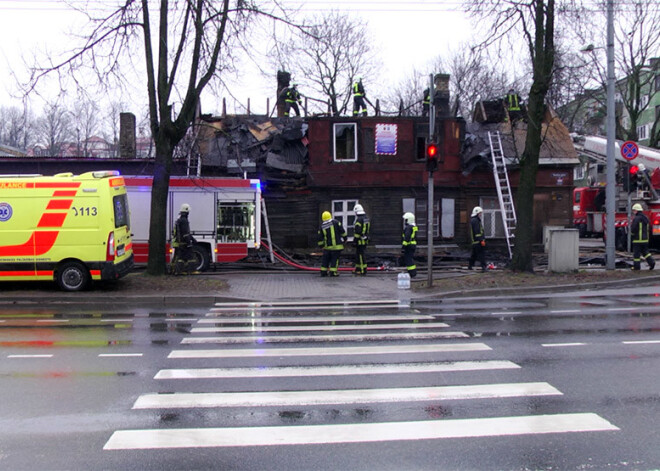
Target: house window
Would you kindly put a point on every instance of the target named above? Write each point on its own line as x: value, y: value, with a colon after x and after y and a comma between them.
x: 492, y: 217
x: 578, y: 172
x: 421, y: 216
x: 345, y: 142
x: 643, y: 101
x: 342, y: 210
x: 642, y: 132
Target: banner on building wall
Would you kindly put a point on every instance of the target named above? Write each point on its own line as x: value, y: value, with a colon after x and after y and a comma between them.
x: 386, y: 139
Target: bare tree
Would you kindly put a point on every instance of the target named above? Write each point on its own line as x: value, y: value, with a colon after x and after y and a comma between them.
x: 182, y: 46
x: 327, y: 54
x: 535, y: 20
x: 87, y: 123
x: 16, y: 127
x: 54, y: 129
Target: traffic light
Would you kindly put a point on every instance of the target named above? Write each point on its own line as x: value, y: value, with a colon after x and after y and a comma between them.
x: 431, y: 156
x: 633, y: 173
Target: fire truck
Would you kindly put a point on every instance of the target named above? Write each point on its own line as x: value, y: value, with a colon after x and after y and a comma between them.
x: 225, y: 216
x: 638, y: 181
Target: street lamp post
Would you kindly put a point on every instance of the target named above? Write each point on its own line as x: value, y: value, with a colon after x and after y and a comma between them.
x: 611, y: 136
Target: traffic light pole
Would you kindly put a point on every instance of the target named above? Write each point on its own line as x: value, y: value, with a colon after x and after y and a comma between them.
x: 429, y: 219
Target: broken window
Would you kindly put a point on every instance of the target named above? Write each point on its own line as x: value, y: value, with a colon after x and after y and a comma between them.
x: 345, y: 142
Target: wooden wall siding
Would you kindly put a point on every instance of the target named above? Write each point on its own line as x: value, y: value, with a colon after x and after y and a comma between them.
x: 405, y: 169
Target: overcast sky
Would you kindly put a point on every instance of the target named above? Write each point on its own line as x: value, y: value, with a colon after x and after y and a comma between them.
x: 408, y: 34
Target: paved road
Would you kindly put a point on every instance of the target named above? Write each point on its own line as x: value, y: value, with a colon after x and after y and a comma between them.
x: 529, y: 383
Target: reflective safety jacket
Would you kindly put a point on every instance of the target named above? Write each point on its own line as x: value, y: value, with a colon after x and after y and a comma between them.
x: 181, y: 232
x: 292, y: 95
x: 358, y: 89
x: 409, y: 236
x: 640, y: 229
x: 361, y: 230
x: 332, y: 235
x: 476, y: 230
x: 427, y: 97
x: 513, y: 102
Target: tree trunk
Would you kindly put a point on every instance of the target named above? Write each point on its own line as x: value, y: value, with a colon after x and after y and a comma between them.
x: 157, y: 230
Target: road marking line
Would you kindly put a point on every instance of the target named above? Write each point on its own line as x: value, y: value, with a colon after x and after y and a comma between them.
x: 261, y: 339
x: 339, y: 370
x: 633, y: 342
x: 342, y: 396
x: 30, y: 356
x: 309, y: 308
x: 573, y: 344
x: 316, y: 304
x: 120, y: 354
x: 302, y: 319
x: 508, y: 313
x: 624, y: 308
x: 362, y: 350
x: 307, y: 328
x: 356, y: 433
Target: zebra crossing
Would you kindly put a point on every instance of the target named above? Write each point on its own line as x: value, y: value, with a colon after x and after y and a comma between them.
x: 274, y: 334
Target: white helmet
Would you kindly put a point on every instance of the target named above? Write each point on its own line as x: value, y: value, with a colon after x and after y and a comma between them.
x: 477, y: 210
x: 637, y: 207
x: 185, y: 208
x: 409, y: 218
x: 358, y: 209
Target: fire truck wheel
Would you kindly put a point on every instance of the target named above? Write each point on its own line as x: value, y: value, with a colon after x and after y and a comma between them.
x: 72, y: 276
x: 202, y: 258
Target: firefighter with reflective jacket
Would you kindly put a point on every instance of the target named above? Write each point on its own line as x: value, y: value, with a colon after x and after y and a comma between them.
x: 182, y: 241
x: 478, y: 239
x: 359, y: 96
x: 292, y: 100
x: 361, y: 239
x: 640, y: 238
x: 409, y: 244
x: 331, y: 239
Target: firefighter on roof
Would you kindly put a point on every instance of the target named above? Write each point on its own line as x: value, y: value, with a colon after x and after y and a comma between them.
x: 640, y: 238
x: 292, y: 99
x: 331, y: 239
x: 513, y: 104
x: 359, y: 96
x: 361, y: 239
x: 409, y: 244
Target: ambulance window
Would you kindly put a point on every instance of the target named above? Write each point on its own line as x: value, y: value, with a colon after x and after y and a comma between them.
x: 120, y: 203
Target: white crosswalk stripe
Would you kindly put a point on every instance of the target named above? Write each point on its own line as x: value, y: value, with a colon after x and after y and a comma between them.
x: 415, y: 347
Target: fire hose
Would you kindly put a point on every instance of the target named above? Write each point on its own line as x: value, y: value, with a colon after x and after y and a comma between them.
x: 303, y: 267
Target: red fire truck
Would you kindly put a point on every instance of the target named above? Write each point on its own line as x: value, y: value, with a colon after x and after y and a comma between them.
x: 225, y: 216
x: 638, y: 181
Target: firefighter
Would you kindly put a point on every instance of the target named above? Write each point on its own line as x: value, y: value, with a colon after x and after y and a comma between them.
x: 409, y: 244
x: 478, y: 239
x: 426, y: 102
x: 331, y: 239
x: 292, y: 99
x: 361, y: 239
x: 513, y: 104
x: 640, y: 238
x: 359, y: 96
x: 182, y: 240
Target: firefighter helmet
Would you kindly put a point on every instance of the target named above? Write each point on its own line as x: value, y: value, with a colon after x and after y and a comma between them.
x: 637, y: 207
x: 477, y: 210
x: 409, y: 218
x: 358, y: 209
x: 326, y: 216
x: 185, y: 208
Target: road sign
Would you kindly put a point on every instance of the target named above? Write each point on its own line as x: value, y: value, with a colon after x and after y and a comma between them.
x: 629, y: 150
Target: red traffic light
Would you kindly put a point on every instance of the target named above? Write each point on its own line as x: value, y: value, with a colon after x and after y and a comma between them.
x: 431, y: 150
x: 633, y: 169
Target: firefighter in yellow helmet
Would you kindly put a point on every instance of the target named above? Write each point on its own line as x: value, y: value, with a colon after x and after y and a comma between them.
x: 639, y: 236
x: 332, y: 237
x: 409, y: 244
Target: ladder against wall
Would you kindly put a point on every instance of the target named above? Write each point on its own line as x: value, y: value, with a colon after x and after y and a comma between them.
x: 504, y: 195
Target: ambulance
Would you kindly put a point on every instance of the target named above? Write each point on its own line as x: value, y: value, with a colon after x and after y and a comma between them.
x: 67, y: 228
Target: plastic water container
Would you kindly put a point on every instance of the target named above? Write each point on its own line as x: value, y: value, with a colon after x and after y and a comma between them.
x: 403, y: 281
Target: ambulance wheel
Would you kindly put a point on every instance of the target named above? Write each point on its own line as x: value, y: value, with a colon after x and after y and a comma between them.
x: 72, y: 276
x: 202, y: 258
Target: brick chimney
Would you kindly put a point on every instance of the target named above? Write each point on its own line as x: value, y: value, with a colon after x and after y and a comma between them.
x: 127, y: 149
x: 441, y: 96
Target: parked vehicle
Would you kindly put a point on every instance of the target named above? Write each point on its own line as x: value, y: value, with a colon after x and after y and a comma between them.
x: 68, y: 228
x: 225, y: 216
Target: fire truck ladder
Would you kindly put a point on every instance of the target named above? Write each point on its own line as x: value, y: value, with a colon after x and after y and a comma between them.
x: 504, y: 194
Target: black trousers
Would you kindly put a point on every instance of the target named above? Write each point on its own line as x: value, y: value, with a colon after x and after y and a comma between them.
x: 359, y: 104
x: 330, y: 262
x: 641, y: 251
x: 478, y: 255
x: 360, y: 261
x: 409, y: 260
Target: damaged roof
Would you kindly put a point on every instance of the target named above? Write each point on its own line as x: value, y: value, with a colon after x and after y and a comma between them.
x: 490, y: 116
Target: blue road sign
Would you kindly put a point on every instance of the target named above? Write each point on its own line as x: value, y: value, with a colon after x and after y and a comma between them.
x: 629, y: 150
